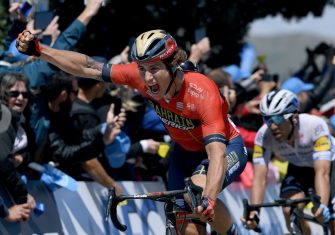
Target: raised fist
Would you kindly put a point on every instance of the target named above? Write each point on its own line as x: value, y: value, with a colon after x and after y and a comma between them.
x: 27, y: 44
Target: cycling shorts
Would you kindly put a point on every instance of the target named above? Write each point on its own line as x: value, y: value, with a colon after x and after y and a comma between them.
x: 185, y: 163
x: 300, y: 179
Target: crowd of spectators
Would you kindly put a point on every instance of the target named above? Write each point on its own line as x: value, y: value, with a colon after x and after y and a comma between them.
x: 81, y: 125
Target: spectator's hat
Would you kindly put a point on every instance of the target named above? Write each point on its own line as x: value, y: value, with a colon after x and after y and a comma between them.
x: 14, y: 54
x: 234, y: 71
x: 296, y: 85
x: 5, y: 118
x: 116, y: 152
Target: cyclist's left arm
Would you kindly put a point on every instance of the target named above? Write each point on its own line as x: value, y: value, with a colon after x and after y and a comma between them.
x: 213, y: 115
x: 216, y: 152
x: 322, y: 155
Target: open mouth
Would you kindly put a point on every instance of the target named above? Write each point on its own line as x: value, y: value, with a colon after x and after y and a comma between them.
x: 18, y: 107
x: 154, y: 89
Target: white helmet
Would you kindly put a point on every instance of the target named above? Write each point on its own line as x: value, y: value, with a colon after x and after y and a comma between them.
x: 279, y: 102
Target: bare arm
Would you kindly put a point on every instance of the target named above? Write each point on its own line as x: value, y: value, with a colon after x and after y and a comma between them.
x: 322, y: 180
x: 71, y: 62
x: 94, y: 168
x: 257, y: 193
x: 75, y: 63
x: 322, y: 186
x: 258, y: 183
x: 91, y: 9
x: 216, y: 169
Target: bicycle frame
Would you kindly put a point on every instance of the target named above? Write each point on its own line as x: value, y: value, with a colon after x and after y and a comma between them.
x: 168, y: 197
x: 295, y: 213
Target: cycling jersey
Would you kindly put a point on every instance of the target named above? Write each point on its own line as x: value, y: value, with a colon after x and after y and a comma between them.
x: 194, y: 117
x: 313, y: 142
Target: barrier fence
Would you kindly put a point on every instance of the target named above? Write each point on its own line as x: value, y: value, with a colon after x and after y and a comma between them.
x: 82, y: 212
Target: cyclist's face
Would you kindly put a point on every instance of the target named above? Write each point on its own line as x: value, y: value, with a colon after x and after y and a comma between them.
x: 280, y: 127
x: 156, y: 77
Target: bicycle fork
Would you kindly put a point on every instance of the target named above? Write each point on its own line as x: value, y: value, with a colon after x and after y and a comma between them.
x: 171, y: 228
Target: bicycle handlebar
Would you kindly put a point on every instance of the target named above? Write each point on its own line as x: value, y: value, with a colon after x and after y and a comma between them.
x: 113, y: 201
x: 312, y: 197
x: 194, y: 191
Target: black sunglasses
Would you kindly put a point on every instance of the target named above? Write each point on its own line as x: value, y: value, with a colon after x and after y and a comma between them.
x: 25, y: 94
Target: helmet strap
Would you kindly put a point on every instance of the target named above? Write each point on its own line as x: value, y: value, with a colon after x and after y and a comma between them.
x: 169, y: 86
x: 292, y: 129
x: 173, y: 72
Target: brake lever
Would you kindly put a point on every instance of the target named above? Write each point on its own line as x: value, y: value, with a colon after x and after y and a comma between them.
x: 109, y: 203
x: 246, y: 213
x: 195, y: 193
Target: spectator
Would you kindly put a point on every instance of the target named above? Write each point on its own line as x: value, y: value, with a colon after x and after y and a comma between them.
x: 19, y: 212
x: 39, y: 72
x: 67, y: 146
x: 85, y: 116
x: 311, y: 95
x: 300, y: 88
x: 15, y: 94
x: 9, y: 177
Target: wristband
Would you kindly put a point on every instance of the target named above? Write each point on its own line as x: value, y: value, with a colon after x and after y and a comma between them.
x: 34, y: 47
x: 106, y: 72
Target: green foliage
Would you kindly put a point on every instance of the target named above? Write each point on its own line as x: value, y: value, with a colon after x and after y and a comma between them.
x: 227, y: 22
x: 3, y: 21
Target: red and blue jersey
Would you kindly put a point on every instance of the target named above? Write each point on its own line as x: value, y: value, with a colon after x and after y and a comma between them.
x: 196, y: 116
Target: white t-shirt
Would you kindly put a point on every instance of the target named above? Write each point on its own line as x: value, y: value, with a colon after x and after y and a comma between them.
x: 313, y: 142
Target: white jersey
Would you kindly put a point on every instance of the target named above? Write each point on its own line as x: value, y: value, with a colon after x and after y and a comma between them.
x: 313, y: 142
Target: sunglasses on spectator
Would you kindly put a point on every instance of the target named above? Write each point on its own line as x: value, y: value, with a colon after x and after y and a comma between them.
x: 277, y: 119
x: 15, y: 94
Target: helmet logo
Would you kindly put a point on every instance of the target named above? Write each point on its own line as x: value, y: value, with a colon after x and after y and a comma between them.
x: 171, y: 48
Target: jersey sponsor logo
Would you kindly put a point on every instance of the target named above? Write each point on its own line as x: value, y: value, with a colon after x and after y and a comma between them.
x: 190, y: 106
x: 322, y: 144
x: 180, y: 105
x: 174, y: 120
x: 319, y: 129
x: 168, y: 52
x: 215, y: 138
x: 196, y: 91
x: 233, y: 162
x: 258, y: 151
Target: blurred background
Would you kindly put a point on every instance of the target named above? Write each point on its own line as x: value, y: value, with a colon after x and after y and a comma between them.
x: 281, y: 30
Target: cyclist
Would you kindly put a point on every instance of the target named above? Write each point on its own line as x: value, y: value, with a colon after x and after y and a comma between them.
x: 301, y: 139
x: 207, y: 144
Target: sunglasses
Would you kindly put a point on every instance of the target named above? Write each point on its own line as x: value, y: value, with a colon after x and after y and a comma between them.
x: 25, y: 94
x: 277, y: 119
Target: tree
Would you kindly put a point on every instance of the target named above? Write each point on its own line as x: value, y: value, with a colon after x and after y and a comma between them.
x: 227, y: 22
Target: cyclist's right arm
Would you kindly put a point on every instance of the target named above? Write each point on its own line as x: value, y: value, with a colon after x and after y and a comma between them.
x: 259, y: 178
x: 260, y: 159
x: 75, y: 63
x: 257, y: 192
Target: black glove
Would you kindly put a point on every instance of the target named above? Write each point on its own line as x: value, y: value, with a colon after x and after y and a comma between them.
x: 208, y: 208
